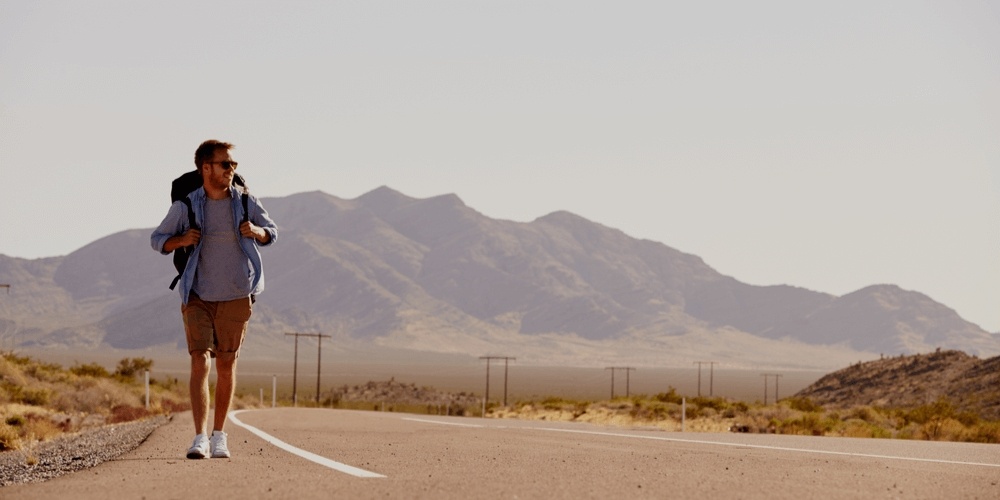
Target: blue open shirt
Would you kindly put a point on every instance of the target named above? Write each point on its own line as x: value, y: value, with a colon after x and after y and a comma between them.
x: 176, y: 222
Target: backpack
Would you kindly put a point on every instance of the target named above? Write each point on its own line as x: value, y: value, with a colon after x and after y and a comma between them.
x: 179, y: 191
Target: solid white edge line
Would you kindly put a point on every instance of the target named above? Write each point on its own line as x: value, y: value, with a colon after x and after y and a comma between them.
x: 312, y: 457
x: 765, y: 447
x: 721, y: 443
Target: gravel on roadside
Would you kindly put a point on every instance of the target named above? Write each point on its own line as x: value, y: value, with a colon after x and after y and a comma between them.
x: 76, y: 452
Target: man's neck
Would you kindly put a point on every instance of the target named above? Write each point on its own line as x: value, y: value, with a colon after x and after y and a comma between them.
x: 214, y: 193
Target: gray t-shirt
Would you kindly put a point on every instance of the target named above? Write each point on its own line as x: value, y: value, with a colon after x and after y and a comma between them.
x: 223, y: 269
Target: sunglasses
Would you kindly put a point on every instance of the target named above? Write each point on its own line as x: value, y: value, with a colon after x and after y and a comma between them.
x: 225, y: 164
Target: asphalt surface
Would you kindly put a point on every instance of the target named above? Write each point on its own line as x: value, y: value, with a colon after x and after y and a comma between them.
x: 314, y: 453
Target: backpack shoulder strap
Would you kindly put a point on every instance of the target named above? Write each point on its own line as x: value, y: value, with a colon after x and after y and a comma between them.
x: 181, y: 254
x: 191, y: 220
x: 245, y: 198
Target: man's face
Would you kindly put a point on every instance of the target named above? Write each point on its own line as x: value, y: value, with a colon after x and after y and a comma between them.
x: 219, y: 170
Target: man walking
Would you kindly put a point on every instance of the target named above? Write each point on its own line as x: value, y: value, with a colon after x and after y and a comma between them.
x: 223, y: 275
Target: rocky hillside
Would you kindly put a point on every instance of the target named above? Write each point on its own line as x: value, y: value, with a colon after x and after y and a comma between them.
x: 396, y: 393
x: 968, y: 382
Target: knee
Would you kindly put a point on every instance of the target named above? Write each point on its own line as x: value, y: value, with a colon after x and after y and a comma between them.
x: 225, y: 366
x: 200, y: 361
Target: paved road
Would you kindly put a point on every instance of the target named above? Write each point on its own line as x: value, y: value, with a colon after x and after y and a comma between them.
x: 309, y: 453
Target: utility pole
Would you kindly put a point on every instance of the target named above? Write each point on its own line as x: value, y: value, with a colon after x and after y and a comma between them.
x: 627, y: 370
x: 13, y: 340
x: 295, y: 372
x: 319, y: 363
x: 776, y: 376
x: 506, y: 360
x: 711, y: 379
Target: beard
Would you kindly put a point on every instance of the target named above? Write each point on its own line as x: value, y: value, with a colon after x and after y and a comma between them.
x: 219, y: 182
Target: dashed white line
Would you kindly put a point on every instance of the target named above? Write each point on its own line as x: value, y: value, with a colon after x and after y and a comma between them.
x: 321, y: 460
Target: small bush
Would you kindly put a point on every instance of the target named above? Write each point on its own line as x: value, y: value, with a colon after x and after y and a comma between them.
x: 945, y: 429
x: 40, y: 428
x: 554, y: 403
x: 96, y: 396
x: 34, y: 396
x: 862, y: 413
x: 717, y: 404
x: 968, y: 418
x: 128, y: 368
x: 658, y: 411
x: 16, y: 360
x: 985, y: 432
x: 691, y: 412
x: 46, y: 372
x: 803, y: 404
x: 10, y: 438
x: 860, y: 429
x: 810, y: 424
x: 90, y: 370
x: 11, y: 373
x: 936, y: 411
x: 670, y: 396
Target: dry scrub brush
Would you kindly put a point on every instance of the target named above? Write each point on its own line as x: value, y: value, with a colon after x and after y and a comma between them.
x: 937, y: 421
x: 41, y: 400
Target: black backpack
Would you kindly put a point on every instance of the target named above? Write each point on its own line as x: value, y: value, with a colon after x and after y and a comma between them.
x: 179, y: 191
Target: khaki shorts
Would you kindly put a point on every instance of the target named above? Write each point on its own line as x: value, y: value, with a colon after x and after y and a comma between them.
x: 216, y: 327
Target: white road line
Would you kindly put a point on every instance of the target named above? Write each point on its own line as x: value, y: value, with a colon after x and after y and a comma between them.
x: 326, y: 462
x: 765, y: 447
x: 720, y: 443
x: 426, y: 421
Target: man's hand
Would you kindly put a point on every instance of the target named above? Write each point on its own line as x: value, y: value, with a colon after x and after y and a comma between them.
x: 189, y: 238
x: 249, y: 230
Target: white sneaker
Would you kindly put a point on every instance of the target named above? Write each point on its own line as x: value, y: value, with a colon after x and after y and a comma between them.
x: 219, y: 445
x: 199, y: 449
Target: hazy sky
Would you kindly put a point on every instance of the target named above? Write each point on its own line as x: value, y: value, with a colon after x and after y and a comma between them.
x: 827, y: 145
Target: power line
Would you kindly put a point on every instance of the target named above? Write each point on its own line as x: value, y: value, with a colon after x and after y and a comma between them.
x: 295, y: 372
x: 613, y: 369
x: 711, y: 376
x: 776, y: 376
x: 505, y: 359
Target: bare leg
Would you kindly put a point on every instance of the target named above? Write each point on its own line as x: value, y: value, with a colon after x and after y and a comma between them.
x: 200, y: 365
x: 224, y: 389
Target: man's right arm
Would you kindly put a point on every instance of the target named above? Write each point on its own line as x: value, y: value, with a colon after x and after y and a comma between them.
x: 173, y: 233
x: 189, y: 238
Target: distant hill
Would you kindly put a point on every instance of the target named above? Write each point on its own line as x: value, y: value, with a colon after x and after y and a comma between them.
x: 386, y: 270
x: 968, y: 382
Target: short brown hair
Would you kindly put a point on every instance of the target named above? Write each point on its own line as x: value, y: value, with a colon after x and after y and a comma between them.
x: 207, y: 149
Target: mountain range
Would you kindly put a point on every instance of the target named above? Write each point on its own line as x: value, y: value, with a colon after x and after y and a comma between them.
x: 386, y: 272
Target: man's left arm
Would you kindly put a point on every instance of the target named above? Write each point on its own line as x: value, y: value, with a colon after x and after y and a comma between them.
x: 260, y: 227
